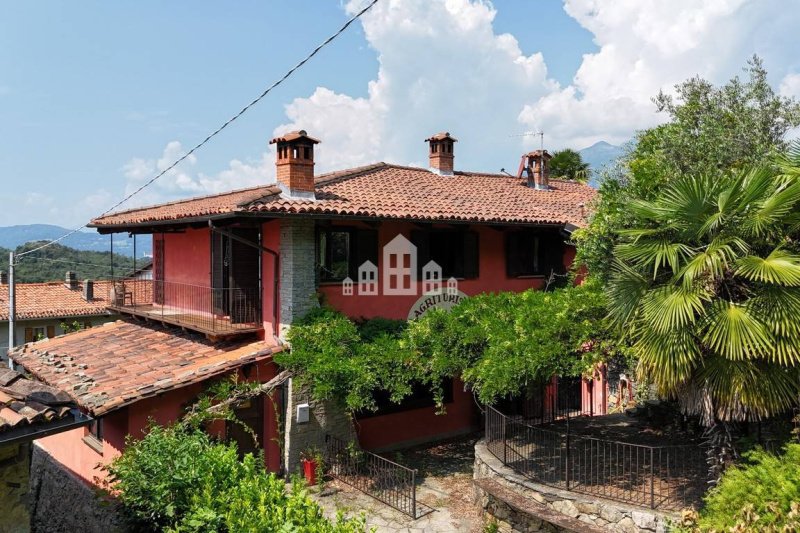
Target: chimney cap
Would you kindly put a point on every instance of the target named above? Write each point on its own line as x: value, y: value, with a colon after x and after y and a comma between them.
x: 441, y: 137
x: 294, y: 136
x: 538, y: 153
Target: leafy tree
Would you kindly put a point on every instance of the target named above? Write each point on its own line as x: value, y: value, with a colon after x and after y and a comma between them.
x: 710, y: 129
x: 180, y: 480
x: 568, y: 164
x: 707, y: 286
x: 50, y: 264
x: 762, y: 494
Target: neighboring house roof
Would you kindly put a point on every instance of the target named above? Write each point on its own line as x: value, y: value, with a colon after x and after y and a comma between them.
x: 383, y: 191
x: 54, y: 300
x: 29, y: 409
x: 107, y: 367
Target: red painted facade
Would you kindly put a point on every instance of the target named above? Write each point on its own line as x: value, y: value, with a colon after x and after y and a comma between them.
x: 492, y: 278
x: 83, y: 460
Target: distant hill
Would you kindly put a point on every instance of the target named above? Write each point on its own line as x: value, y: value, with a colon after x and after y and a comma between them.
x: 13, y: 236
x: 598, y: 156
x: 51, y: 264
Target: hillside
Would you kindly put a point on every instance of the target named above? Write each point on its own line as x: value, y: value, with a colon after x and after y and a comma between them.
x: 13, y: 236
x: 598, y: 156
x: 51, y: 263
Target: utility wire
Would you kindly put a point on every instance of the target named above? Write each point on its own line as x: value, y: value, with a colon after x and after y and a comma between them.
x: 72, y: 262
x: 217, y: 131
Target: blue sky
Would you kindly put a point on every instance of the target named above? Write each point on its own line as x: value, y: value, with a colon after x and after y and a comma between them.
x: 97, y: 96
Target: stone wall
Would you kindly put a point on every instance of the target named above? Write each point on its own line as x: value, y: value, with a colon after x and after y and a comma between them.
x: 62, y: 502
x: 323, y: 418
x: 14, y: 488
x: 297, y: 277
x: 606, y: 514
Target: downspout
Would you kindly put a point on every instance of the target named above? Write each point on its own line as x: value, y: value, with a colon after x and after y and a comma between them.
x: 276, y: 266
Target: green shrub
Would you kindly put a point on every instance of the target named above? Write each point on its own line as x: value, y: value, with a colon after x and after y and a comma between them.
x: 763, y: 494
x: 181, y: 480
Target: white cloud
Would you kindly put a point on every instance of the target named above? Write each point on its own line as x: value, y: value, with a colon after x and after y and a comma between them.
x: 184, y: 180
x: 442, y: 66
x: 790, y: 85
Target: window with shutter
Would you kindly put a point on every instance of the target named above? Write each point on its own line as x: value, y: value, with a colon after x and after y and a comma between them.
x: 455, y: 251
x: 341, y: 250
x: 51, y: 332
x: 534, y: 253
x: 29, y: 335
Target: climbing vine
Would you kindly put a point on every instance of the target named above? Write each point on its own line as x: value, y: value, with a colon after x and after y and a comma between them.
x: 498, y: 344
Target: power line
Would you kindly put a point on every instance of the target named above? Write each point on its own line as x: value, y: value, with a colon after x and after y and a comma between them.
x: 218, y: 130
x: 73, y: 262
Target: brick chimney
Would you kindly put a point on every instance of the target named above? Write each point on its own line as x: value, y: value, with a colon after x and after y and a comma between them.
x: 3, y: 277
x: 295, y: 164
x: 70, y: 280
x: 536, y: 165
x: 88, y: 290
x: 440, y: 156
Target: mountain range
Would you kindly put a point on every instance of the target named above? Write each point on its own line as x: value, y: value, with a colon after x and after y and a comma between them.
x: 13, y: 236
x: 598, y: 156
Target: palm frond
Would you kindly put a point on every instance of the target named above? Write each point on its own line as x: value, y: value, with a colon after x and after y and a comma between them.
x: 779, y: 267
x: 733, y: 331
x: 671, y: 307
x: 654, y: 254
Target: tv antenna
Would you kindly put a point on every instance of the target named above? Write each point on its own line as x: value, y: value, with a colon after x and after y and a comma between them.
x: 531, y: 134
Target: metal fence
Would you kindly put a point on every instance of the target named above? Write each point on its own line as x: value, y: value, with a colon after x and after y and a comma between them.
x: 206, y: 309
x: 663, y: 477
x: 392, y: 483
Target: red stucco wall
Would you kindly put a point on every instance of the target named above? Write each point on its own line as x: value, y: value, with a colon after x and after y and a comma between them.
x: 492, y: 272
x: 270, y: 238
x: 187, y: 257
x: 419, y: 425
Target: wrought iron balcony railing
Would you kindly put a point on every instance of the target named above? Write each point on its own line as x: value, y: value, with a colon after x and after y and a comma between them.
x: 217, y: 312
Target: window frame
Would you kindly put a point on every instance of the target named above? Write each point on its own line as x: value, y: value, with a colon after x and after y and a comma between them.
x: 320, y: 265
x: 363, y: 245
x: 94, y: 434
x: 547, y: 254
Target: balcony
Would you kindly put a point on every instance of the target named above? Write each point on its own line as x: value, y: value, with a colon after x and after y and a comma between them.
x: 214, y: 312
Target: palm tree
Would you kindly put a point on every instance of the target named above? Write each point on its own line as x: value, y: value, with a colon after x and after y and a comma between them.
x: 707, y: 287
x: 568, y: 164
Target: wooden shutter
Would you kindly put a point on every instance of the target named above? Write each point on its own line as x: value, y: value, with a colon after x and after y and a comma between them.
x: 51, y: 332
x: 218, y: 282
x: 29, y: 335
x: 245, y: 276
x: 421, y: 239
x: 366, y: 249
x: 471, y: 255
x: 513, y: 255
x: 158, y: 269
x: 551, y: 253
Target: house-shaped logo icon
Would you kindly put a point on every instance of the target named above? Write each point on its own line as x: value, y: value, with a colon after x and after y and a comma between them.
x: 368, y: 279
x: 400, y: 267
x: 347, y: 286
x: 431, y: 278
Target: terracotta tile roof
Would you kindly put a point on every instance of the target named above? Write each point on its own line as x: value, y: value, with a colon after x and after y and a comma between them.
x: 394, y: 192
x: 201, y: 206
x: 107, y: 367
x: 54, y: 300
x: 391, y: 191
x: 27, y: 404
